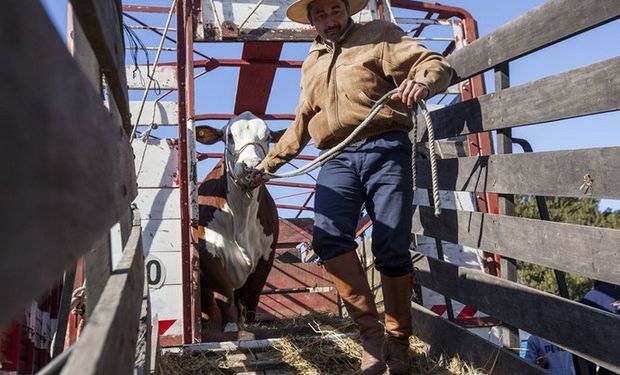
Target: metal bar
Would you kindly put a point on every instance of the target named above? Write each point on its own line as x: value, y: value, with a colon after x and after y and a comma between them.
x: 305, y: 204
x: 292, y: 195
x: 184, y: 67
x: 218, y: 155
x: 294, y: 207
x: 543, y: 211
x: 422, y: 21
x: 145, y: 9
x: 167, y: 49
x: 214, y: 63
x: 318, y: 289
x: 420, y: 28
x: 141, y: 27
x: 291, y: 184
x: 228, y: 116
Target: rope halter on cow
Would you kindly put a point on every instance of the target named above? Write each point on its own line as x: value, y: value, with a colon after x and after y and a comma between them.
x: 231, y: 158
x: 334, y: 151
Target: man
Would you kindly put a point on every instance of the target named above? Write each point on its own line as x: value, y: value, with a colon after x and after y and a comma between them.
x: 549, y: 356
x: 348, y: 68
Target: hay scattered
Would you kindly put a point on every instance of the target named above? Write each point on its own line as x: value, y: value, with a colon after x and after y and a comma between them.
x: 328, y: 353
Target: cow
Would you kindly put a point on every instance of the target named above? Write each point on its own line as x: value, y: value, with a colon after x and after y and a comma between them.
x: 237, y: 227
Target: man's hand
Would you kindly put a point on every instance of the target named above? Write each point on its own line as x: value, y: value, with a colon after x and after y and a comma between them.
x: 257, y: 176
x: 410, y: 92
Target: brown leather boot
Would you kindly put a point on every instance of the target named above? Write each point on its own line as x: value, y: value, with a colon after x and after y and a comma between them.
x: 397, y: 302
x: 350, y: 280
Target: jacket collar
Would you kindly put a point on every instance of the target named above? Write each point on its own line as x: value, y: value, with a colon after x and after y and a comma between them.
x: 319, y: 44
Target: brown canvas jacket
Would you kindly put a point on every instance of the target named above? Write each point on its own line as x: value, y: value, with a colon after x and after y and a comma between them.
x: 340, y: 85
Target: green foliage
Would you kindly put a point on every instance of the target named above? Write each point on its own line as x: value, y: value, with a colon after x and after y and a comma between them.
x: 567, y: 210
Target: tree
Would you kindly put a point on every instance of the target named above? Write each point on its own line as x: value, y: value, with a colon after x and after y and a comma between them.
x: 566, y: 210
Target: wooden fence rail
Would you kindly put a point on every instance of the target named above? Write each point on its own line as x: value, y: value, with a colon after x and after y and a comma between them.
x: 108, y: 343
x: 474, y: 350
x: 102, y: 24
x: 573, y: 248
x: 548, y: 24
x: 68, y: 169
x: 548, y: 99
x: 540, y: 173
x: 564, y: 322
x: 589, y: 251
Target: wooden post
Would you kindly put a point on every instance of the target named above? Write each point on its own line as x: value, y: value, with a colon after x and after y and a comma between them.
x: 508, y: 266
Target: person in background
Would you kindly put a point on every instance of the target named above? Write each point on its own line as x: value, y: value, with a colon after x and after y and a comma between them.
x: 603, y: 296
x: 549, y: 356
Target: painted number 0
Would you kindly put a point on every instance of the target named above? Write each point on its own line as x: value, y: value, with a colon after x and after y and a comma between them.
x: 155, y: 272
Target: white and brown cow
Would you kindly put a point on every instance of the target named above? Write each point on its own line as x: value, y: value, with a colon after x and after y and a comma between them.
x: 238, y: 226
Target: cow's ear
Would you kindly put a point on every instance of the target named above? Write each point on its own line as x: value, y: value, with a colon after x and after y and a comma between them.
x: 208, y: 135
x: 274, y: 136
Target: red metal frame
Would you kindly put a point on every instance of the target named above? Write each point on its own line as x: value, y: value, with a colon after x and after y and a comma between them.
x: 185, y: 80
x: 257, y: 66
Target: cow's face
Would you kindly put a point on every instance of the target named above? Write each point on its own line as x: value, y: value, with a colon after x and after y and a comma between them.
x: 247, y: 139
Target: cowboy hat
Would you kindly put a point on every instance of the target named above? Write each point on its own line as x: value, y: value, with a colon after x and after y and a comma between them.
x: 298, y: 11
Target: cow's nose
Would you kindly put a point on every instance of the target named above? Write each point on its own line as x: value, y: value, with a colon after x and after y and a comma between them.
x: 250, y: 163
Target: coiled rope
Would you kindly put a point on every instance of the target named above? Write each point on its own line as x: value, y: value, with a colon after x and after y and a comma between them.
x: 333, y: 152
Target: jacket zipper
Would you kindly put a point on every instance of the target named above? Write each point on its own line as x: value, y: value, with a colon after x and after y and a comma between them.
x: 336, y: 114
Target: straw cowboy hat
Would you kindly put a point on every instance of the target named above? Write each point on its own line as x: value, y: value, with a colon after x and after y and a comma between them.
x: 298, y: 11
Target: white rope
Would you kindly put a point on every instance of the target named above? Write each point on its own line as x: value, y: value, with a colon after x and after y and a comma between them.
x: 148, y: 86
x: 433, y: 155
x: 333, y: 152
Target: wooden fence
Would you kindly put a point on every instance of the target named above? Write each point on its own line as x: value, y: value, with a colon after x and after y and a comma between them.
x: 68, y: 175
x: 589, y: 251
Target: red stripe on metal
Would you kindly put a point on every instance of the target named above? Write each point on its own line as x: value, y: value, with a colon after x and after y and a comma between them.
x: 439, y: 309
x: 256, y: 81
x: 467, y: 312
x: 164, y: 325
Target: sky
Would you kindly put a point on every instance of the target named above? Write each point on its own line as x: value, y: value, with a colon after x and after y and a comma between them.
x: 216, y: 91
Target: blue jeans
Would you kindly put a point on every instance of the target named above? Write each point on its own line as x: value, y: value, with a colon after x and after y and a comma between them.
x: 377, y: 173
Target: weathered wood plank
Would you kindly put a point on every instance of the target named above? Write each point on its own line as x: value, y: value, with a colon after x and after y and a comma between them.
x: 553, y: 21
x: 540, y: 101
x: 101, y: 22
x: 556, y: 173
x: 567, y: 247
x: 445, y: 337
x: 108, y: 343
x: 68, y: 171
x: 583, y: 329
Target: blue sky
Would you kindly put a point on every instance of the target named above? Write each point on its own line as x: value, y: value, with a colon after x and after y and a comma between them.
x: 215, y: 92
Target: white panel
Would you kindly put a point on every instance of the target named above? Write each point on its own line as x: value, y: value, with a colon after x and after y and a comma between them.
x: 156, y: 163
x: 116, y: 245
x: 160, y: 113
x: 453, y: 200
x: 171, y: 262
x: 270, y: 14
x: 492, y: 334
x: 159, y: 203
x: 167, y: 303
x: 161, y: 235
x: 164, y: 77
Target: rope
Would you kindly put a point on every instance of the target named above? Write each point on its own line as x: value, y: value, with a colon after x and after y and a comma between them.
x: 333, y: 152
x: 433, y: 154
